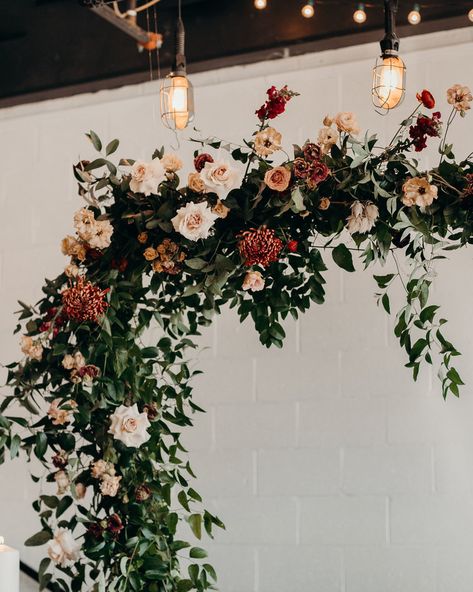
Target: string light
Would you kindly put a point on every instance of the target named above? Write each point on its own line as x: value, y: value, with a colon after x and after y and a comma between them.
x: 307, y: 10
x: 261, y: 4
x: 414, y: 17
x: 389, y: 73
x: 470, y: 15
x: 359, y: 16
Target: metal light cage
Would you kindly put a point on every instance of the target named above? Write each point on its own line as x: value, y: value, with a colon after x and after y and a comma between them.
x: 177, y: 101
x: 389, y: 81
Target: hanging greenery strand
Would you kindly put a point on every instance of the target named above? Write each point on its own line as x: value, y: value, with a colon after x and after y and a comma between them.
x: 107, y: 399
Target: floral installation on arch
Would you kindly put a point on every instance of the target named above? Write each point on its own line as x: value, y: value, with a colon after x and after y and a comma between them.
x: 106, y: 411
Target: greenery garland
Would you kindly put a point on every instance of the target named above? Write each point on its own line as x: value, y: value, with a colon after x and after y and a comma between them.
x: 106, y: 410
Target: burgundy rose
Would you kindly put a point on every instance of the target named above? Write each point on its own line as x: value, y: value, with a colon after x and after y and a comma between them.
x: 200, y: 160
x: 301, y: 168
x: 60, y: 460
x: 311, y: 151
x: 114, y: 524
x: 152, y: 411
x: 120, y: 264
x: 142, y: 493
x: 95, y: 529
x: 319, y: 172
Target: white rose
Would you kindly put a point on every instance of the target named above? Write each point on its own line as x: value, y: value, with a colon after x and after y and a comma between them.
x: 145, y: 177
x: 220, y: 177
x: 63, y: 549
x: 194, y: 220
x: 129, y: 426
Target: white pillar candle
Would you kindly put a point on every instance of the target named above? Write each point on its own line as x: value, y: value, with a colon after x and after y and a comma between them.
x: 9, y: 568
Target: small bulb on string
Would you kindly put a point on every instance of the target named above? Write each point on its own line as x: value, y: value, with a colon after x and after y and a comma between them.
x: 414, y: 17
x: 470, y: 15
x: 359, y: 16
x: 261, y: 4
x: 307, y: 10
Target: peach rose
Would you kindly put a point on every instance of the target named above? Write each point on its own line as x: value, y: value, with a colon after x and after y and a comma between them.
x: 278, y: 179
x: 254, y: 281
x: 346, y: 122
x: 195, y: 183
x: 171, y: 162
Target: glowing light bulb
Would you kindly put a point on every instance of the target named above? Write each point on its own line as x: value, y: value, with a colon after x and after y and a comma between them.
x: 261, y: 4
x: 388, y: 82
x: 307, y: 10
x: 414, y: 17
x: 470, y: 15
x: 177, y: 102
x: 359, y: 16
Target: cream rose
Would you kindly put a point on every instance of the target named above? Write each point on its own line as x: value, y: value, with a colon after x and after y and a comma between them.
x: 102, y: 469
x: 278, y: 179
x: 346, y: 122
x: 326, y: 139
x: 129, y: 426
x: 267, y: 141
x: 220, y: 177
x: 418, y: 192
x: 101, y: 234
x: 253, y: 281
x: 63, y: 549
x: 31, y: 348
x: 71, y: 270
x: 62, y: 482
x: 110, y: 486
x: 194, y: 220
x: 220, y: 209
x: 171, y: 162
x: 146, y: 176
x: 362, y: 218
x: 84, y: 221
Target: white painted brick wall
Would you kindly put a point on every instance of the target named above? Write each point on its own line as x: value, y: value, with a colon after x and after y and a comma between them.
x: 331, y: 469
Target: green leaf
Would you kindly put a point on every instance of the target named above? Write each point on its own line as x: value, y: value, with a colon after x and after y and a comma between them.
x: 195, y: 522
x: 111, y: 147
x: 40, y: 538
x: 97, y: 144
x: 197, y: 553
x: 343, y: 258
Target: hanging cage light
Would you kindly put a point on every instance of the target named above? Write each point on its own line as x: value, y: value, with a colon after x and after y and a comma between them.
x: 389, y: 73
x: 176, y: 93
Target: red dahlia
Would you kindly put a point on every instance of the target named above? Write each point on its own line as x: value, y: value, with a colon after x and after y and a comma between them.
x: 259, y: 246
x: 84, y: 302
x: 200, y: 160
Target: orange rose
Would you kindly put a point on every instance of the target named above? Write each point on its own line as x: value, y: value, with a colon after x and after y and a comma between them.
x: 278, y: 179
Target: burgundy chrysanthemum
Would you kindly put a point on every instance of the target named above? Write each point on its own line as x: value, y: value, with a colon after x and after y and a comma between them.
x: 84, y: 302
x: 200, y: 160
x: 259, y: 246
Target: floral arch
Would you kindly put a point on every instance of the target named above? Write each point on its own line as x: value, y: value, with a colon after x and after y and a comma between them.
x: 242, y: 232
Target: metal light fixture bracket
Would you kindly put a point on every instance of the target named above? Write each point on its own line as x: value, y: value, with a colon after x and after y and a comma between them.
x: 390, y: 43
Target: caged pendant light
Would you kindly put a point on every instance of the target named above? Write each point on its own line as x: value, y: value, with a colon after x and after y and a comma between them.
x: 389, y: 73
x: 176, y: 93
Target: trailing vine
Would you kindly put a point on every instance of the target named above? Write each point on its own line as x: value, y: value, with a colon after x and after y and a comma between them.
x: 106, y: 405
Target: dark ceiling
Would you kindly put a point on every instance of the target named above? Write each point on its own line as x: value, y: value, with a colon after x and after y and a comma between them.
x: 58, y: 47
